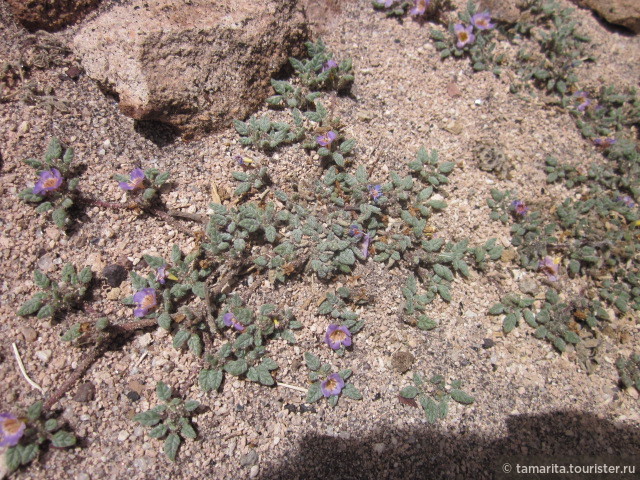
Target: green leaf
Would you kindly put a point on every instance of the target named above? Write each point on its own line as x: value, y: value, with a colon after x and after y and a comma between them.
x: 430, y: 409
x: 171, y: 445
x: 187, y: 430
x: 180, y: 338
x: 51, y: 424
x: 44, y: 207
x: 34, y: 411
x: 351, y: 392
x: 13, y: 457
x: 191, y: 405
x: 264, y: 377
x: 426, y: 323
x: 195, y: 344
x: 46, y: 311
x: 461, y: 397
x: 148, y: 418
x: 347, y: 146
x: 31, y: 306
x: 237, y: 367
x: 497, y: 309
x: 314, y: 393
x: 161, y: 179
x: 409, y: 392
x: 154, y: 262
x: 54, y: 151
x: 59, y: 217
x: 63, y: 439
x: 444, y: 292
x: 509, y: 322
x: 443, y: 272
x: 313, y: 362
x: 159, y: 431
x: 164, y: 321
x: 199, y: 289
x: 210, y: 379
x: 85, y: 275
x: 163, y: 391
x: 148, y: 194
x: 29, y: 453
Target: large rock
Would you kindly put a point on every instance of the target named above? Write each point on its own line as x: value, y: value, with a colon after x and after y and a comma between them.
x: 192, y: 64
x: 618, y: 12
x: 50, y: 15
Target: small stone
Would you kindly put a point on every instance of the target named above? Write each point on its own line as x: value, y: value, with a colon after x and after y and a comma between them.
x: 454, y: 127
x: 85, y: 392
x: 145, y: 340
x: 83, y: 476
x: 73, y: 72
x: 45, y: 263
x: 23, y: 128
x: 44, y: 355
x: 508, y: 254
x: 402, y: 361
x: 53, y: 233
x: 123, y: 435
x: 488, y: 343
x: 378, y: 448
x: 528, y: 285
x: 133, y: 396
x: 253, y: 473
x: 113, y: 294
x: 249, y: 459
x: 114, y: 274
x: 28, y: 333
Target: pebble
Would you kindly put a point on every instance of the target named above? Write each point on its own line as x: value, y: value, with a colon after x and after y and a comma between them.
x: 123, y: 435
x: 145, y: 340
x: 114, y: 274
x: 378, y: 448
x: 253, y: 473
x: 83, y: 476
x: 23, y: 128
x: 45, y: 263
x: 249, y: 458
x: 528, y: 285
x: 85, y: 393
x: 44, y: 355
x: 29, y: 334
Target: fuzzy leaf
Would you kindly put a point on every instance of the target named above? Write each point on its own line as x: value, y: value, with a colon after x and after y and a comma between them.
x: 409, y: 392
x: 351, y: 392
x: 163, y: 391
x: 210, y: 379
x: 461, y: 397
x: 314, y: 393
x: 171, y: 445
x: 63, y: 439
x: 313, y: 362
x: 237, y: 367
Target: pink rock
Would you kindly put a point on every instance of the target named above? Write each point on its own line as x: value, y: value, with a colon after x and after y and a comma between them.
x: 194, y: 65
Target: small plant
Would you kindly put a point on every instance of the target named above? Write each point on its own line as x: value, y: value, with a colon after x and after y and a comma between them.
x: 514, y: 308
x: 472, y: 36
x: 143, y: 185
x: 327, y: 384
x: 266, y: 134
x: 321, y: 71
x: 27, y: 436
x: 55, y: 192
x: 434, y: 395
x: 629, y: 371
x: 171, y: 420
x: 57, y: 296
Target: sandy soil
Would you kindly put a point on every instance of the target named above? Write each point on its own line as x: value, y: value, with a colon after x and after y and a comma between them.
x: 530, y: 400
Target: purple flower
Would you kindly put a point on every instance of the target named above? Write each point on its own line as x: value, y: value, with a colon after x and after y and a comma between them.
x: 375, y: 191
x: 333, y: 385
x: 354, y: 231
x: 365, y: 245
x: 337, y: 336
x: 136, y: 180
x: 464, y: 34
x: 146, y: 301
x: 582, y: 97
x: 482, y: 21
x: 230, y: 320
x: 388, y: 3
x: 550, y: 267
x: 329, y: 64
x: 420, y: 7
x: 11, y: 430
x: 161, y: 275
x: 519, y: 208
x: 604, y: 142
x: 627, y: 200
x: 49, y: 180
x: 327, y: 139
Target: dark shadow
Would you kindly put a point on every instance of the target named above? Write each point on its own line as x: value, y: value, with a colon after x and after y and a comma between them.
x: 428, y: 452
x: 159, y: 133
x: 609, y: 27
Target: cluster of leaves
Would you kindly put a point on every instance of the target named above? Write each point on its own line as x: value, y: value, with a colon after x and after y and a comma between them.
x: 57, y: 296
x: 554, y: 51
x: 56, y: 202
x: 629, y: 371
x: 255, y: 179
x: 246, y: 356
x: 321, y: 72
x: 301, y: 96
x: 556, y: 321
x: 434, y: 395
x: 41, y: 429
x: 480, y: 50
x: 170, y: 420
x: 400, y: 8
x: 319, y: 372
x: 415, y: 304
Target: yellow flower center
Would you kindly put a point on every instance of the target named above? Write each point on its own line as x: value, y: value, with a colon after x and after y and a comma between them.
x: 50, y: 182
x: 148, y: 301
x: 463, y: 36
x: 338, y: 336
x: 331, y: 384
x: 11, y: 426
